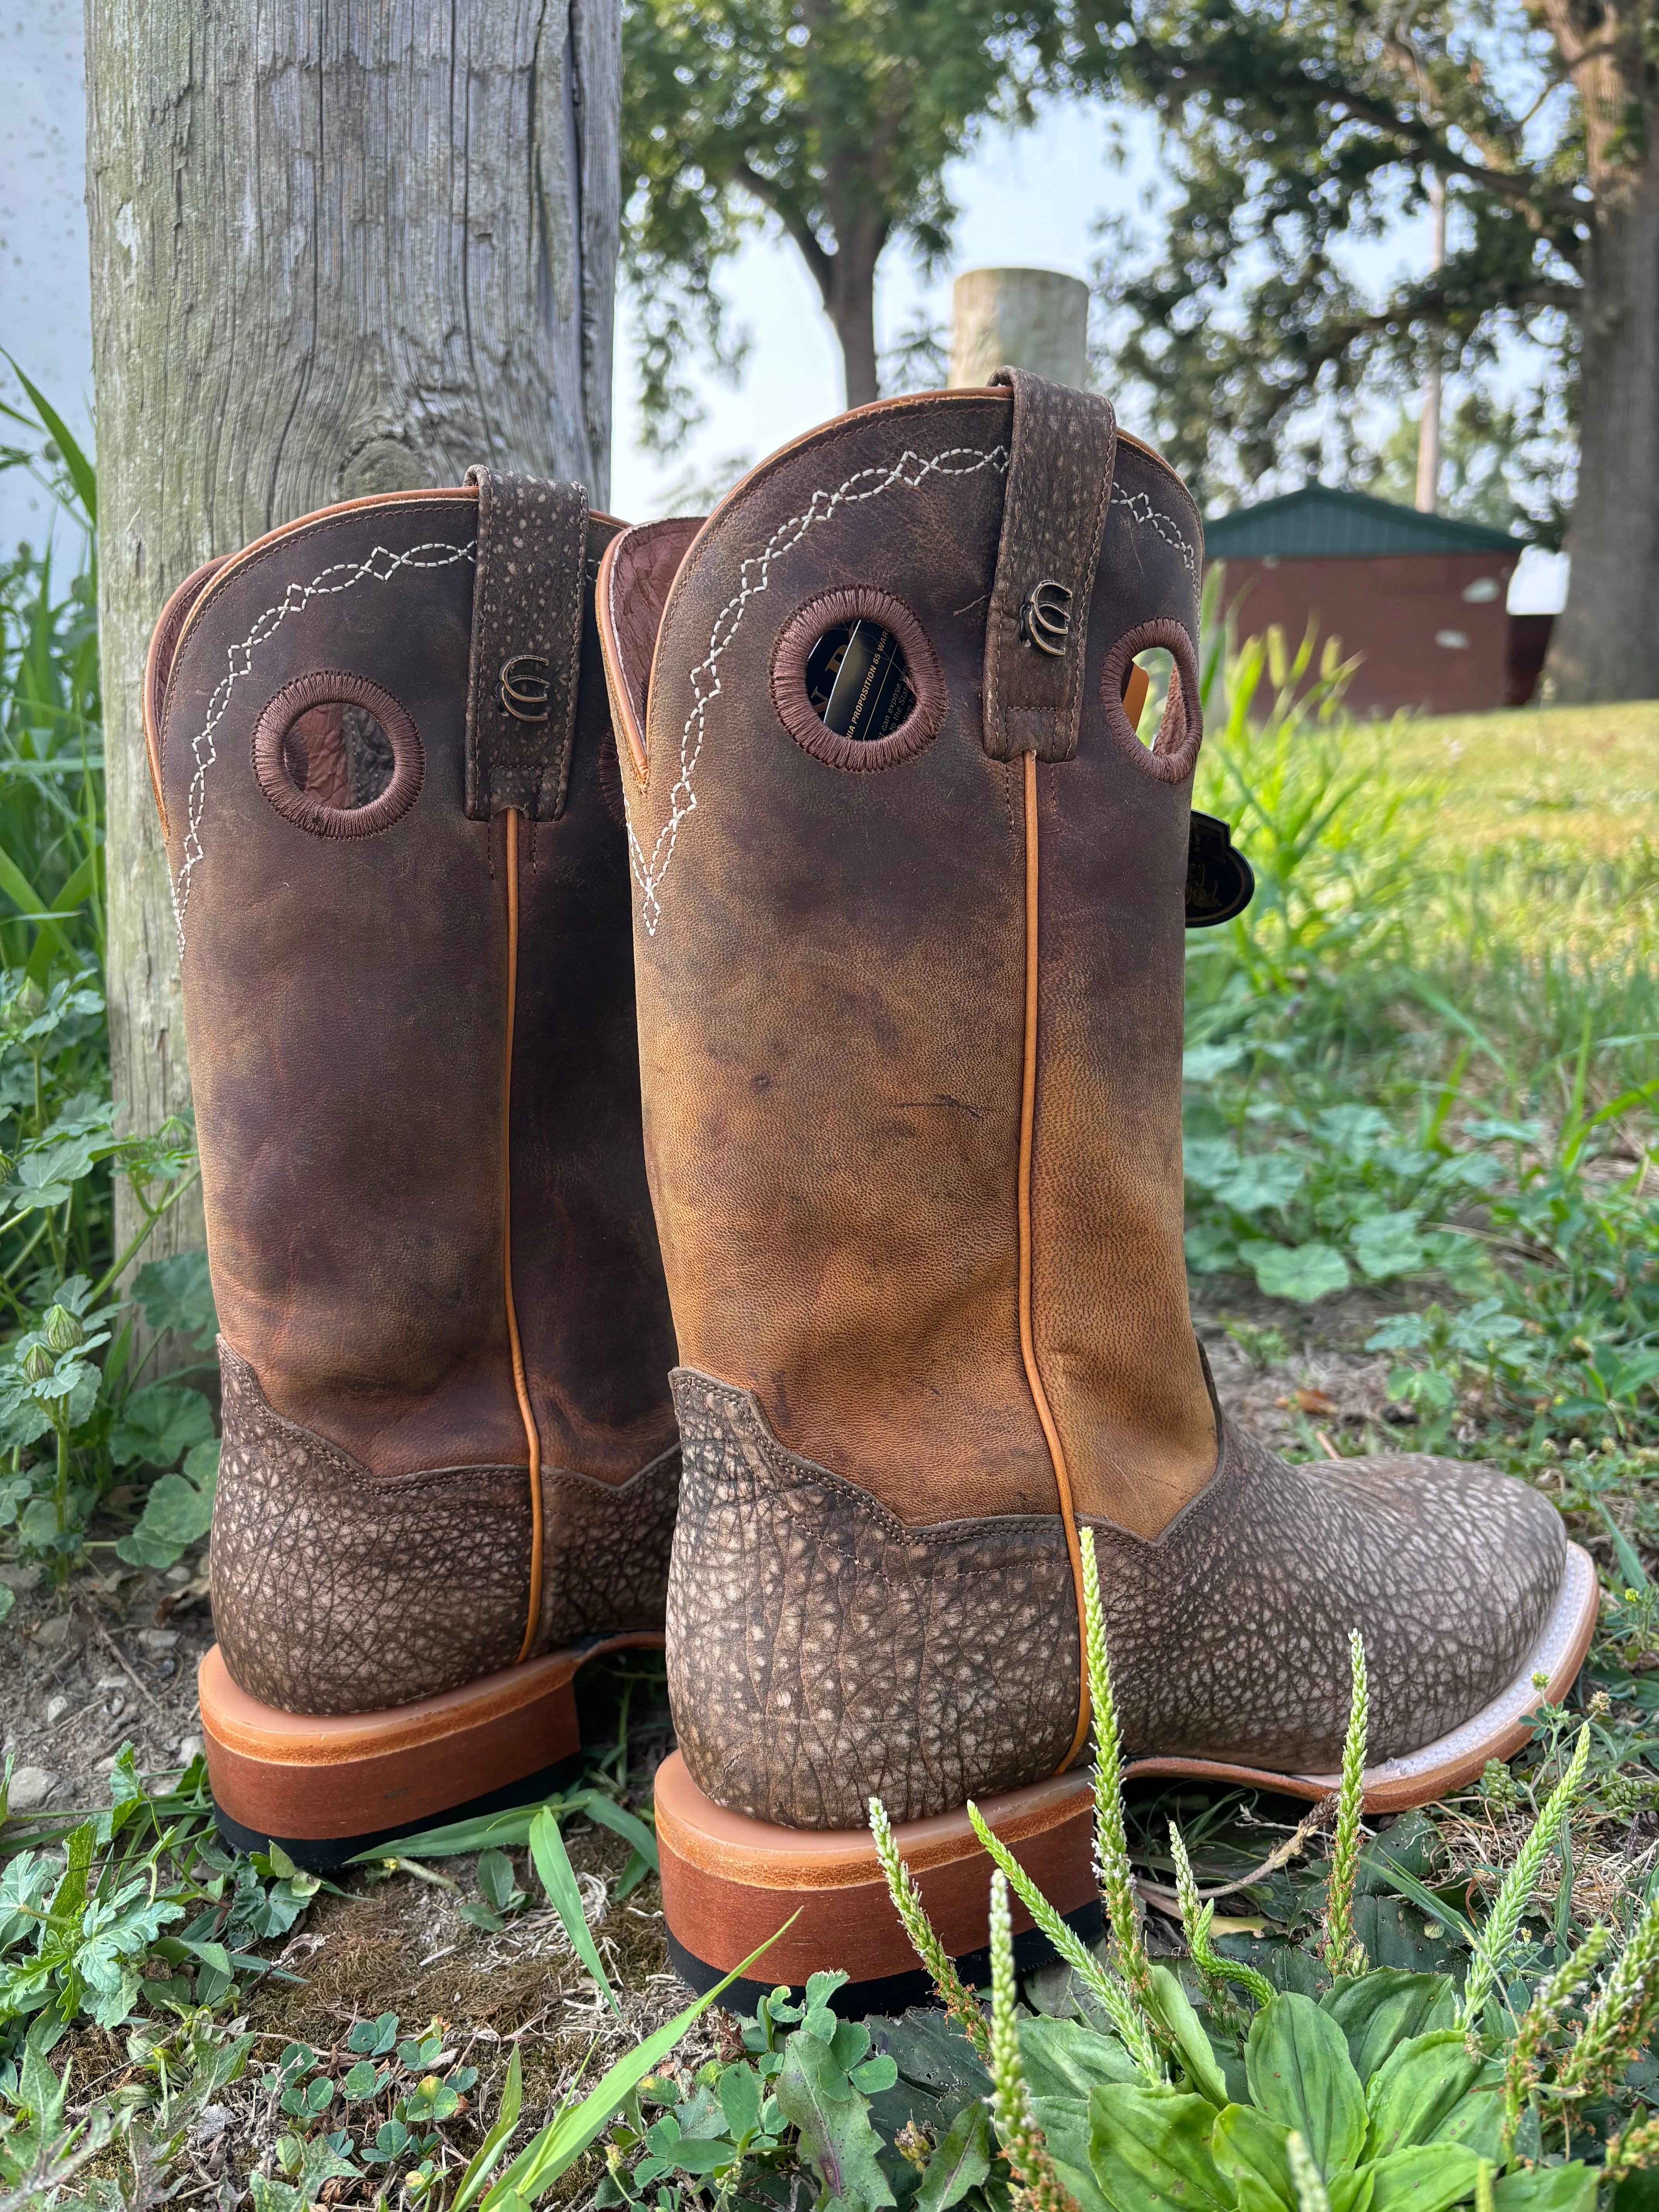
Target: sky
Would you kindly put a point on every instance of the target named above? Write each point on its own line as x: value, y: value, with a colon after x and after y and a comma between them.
x: 1042, y: 189
x: 1031, y: 198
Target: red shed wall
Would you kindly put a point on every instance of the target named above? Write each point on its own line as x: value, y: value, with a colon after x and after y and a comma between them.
x: 1393, y: 609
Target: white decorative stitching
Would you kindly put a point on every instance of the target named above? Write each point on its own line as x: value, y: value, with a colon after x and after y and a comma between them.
x: 239, y: 661
x: 911, y: 470
x: 1142, y: 511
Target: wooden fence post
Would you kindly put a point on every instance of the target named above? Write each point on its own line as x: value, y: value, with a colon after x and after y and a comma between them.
x: 1032, y: 319
x: 335, y: 250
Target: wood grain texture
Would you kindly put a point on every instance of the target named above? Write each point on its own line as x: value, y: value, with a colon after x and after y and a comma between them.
x: 1033, y: 318
x: 335, y: 251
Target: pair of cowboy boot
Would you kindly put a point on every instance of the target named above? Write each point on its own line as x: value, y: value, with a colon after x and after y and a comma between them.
x: 907, y: 902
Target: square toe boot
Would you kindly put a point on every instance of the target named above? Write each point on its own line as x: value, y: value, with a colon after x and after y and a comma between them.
x: 381, y: 750
x: 909, y: 909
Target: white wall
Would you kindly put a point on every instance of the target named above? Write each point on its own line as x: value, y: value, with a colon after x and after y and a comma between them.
x: 1538, y: 585
x: 44, y: 321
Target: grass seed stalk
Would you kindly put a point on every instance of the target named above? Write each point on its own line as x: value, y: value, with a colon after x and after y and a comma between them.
x: 1112, y: 1868
x: 1341, y: 1950
x: 1024, y: 2144
x: 957, y: 1999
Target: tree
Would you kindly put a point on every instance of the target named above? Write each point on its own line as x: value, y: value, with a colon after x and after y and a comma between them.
x: 1298, y: 132
x: 1485, y: 471
x: 335, y: 251
x: 835, y: 121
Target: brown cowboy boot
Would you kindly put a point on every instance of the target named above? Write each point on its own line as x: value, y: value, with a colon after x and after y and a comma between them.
x: 908, y: 936
x: 382, y: 753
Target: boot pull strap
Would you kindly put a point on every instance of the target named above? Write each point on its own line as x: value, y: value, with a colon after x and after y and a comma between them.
x: 527, y: 592
x: 1054, y: 517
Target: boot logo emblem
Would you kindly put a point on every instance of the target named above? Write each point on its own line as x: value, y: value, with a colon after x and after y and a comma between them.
x: 1045, y: 620
x: 523, y: 689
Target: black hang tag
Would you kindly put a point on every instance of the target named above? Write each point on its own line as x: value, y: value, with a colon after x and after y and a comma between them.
x: 857, y: 680
x: 1219, y: 883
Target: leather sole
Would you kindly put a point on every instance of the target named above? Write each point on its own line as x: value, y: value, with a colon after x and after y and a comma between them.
x: 328, y: 1786
x: 728, y: 1881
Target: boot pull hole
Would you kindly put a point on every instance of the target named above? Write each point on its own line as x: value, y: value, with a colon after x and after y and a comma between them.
x: 858, y: 683
x: 336, y: 755
x: 1149, y: 689
x: 339, y: 754
x: 1146, y: 692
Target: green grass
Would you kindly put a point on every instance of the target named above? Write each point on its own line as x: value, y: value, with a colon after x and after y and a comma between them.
x: 1539, y: 910
x: 1583, y: 780
x: 52, y: 751
x: 1426, y: 1066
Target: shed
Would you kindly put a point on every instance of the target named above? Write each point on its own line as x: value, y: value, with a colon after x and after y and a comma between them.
x: 1420, y: 597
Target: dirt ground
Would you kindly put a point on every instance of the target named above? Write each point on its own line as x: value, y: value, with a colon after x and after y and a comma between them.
x: 109, y: 1661
x: 1324, y: 1382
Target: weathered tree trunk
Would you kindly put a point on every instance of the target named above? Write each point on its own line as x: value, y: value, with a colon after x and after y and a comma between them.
x: 850, y: 300
x: 335, y: 250
x: 1606, y: 642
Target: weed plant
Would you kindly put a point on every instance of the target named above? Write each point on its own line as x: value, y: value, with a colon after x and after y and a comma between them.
x: 119, y: 1919
x: 138, y: 1921
x: 1417, y: 1073
x: 85, y: 1428
x: 1388, y: 2087
x: 1513, y: 2075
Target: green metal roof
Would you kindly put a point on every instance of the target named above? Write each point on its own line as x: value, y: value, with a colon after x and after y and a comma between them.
x: 1319, y: 523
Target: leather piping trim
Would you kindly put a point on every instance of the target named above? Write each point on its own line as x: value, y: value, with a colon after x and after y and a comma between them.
x: 630, y: 688
x: 624, y: 721
x: 158, y: 658
x: 1027, y: 1339
x: 526, y: 1411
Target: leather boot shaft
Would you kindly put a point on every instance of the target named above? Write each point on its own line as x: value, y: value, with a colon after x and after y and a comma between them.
x: 832, y: 942
x: 382, y: 753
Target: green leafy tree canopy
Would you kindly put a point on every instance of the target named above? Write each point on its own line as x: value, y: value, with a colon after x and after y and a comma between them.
x: 833, y: 118
x: 1296, y: 132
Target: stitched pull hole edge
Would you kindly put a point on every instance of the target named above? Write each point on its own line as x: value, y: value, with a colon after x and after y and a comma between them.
x: 338, y: 755
x: 855, y: 680
x: 1153, y: 669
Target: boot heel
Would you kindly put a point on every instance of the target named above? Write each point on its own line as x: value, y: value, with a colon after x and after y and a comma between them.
x: 728, y: 1883
x: 326, y: 1787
